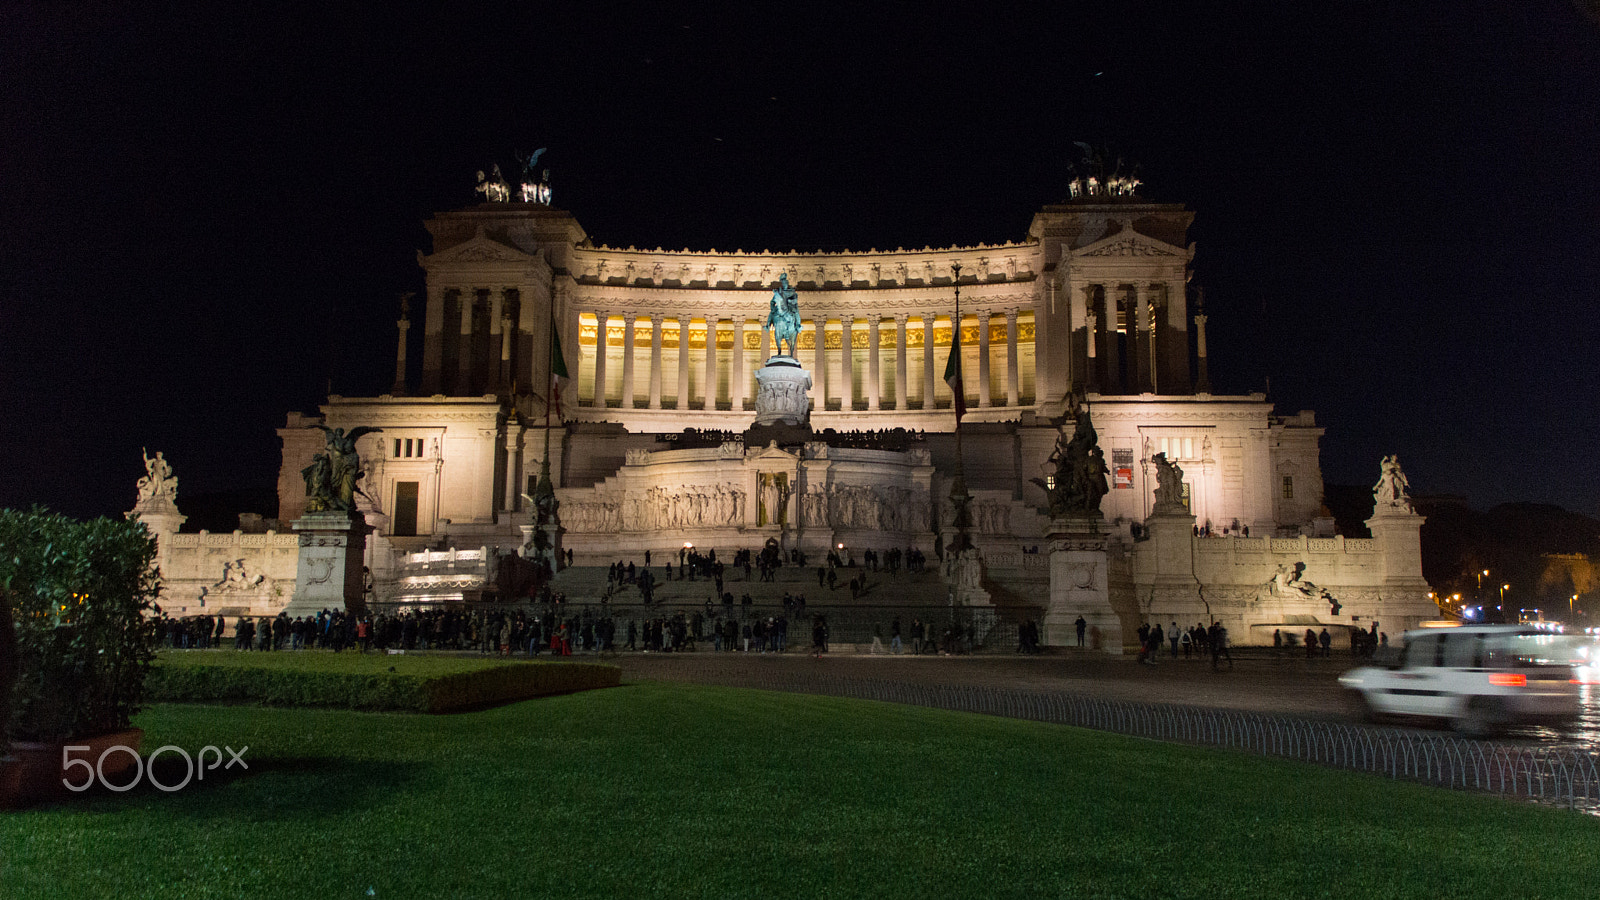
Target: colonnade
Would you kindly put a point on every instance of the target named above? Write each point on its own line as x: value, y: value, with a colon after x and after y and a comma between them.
x: 1135, y: 337
x: 491, y: 348
x: 703, y: 385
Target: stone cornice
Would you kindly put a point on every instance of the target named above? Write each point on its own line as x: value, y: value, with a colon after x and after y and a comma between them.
x: 753, y: 303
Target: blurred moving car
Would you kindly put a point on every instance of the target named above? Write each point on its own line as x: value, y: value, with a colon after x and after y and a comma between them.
x: 1480, y: 678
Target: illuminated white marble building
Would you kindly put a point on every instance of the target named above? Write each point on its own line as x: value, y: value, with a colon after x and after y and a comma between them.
x: 1092, y: 302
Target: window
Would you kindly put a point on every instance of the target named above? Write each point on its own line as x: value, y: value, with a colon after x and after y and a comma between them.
x: 1288, y: 487
x: 408, y: 448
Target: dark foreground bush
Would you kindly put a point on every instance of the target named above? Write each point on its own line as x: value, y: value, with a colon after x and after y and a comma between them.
x: 194, y: 681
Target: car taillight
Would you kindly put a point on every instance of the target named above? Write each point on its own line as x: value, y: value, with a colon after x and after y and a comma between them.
x: 1507, y: 679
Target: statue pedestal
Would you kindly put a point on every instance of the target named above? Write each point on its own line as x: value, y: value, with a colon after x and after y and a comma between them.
x: 332, y: 545
x: 782, y: 387
x: 1079, y: 587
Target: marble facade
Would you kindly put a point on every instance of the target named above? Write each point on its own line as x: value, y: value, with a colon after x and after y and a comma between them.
x: 1091, y: 304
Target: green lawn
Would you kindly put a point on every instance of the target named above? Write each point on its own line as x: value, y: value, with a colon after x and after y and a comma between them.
x: 668, y: 790
x: 350, y: 662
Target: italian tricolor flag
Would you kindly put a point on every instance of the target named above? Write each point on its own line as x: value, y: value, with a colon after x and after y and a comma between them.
x: 952, y: 375
x: 558, y: 371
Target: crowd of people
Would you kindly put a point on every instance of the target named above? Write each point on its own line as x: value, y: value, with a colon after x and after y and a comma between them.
x: 1199, y: 640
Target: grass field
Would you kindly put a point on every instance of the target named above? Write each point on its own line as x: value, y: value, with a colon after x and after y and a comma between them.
x: 666, y: 790
x: 370, y: 681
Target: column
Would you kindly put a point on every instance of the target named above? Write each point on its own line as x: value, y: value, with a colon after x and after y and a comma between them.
x: 847, y: 384
x: 506, y: 330
x: 983, y: 357
x: 683, y: 362
x: 736, y: 377
x: 627, y: 360
x: 1177, y: 337
x: 927, y: 361
x: 600, y: 351
x: 655, y: 361
x: 513, y: 466
x: 901, y: 392
x: 464, y: 351
x: 1140, y: 358
x: 1013, y: 378
x: 1092, y: 330
x: 491, y: 367
x: 819, y: 364
x: 874, y: 374
x: 1113, y: 322
x: 710, y: 383
x: 1091, y: 337
x: 399, y: 388
x: 433, y: 342
x: 1203, y: 376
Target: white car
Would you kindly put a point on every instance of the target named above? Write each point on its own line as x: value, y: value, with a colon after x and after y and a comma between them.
x: 1480, y: 678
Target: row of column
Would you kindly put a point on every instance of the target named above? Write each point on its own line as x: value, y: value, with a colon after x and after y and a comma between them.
x: 819, y: 371
x: 1150, y: 338
x: 476, y: 369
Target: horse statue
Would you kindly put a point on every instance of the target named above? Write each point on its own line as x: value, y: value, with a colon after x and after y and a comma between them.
x: 783, y: 316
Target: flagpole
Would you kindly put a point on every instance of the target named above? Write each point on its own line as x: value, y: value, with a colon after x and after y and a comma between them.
x: 959, y: 498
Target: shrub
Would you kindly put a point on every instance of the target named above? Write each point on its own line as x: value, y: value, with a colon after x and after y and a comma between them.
x: 321, y: 682
x: 78, y: 593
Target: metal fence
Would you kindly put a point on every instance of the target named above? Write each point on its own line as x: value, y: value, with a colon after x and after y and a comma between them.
x: 1558, y: 776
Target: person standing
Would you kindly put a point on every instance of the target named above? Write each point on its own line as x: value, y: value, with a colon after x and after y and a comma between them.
x: 894, y: 636
x: 1174, y: 636
x: 1081, y: 625
x: 1326, y: 640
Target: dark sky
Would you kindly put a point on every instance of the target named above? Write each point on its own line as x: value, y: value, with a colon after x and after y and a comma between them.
x: 204, y: 218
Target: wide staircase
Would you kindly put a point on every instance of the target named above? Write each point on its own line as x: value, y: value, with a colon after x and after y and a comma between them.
x: 852, y: 621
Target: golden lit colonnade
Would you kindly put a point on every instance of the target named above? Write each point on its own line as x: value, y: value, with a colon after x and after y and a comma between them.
x: 895, y: 364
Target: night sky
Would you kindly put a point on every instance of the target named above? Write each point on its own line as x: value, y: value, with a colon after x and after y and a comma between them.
x: 206, y: 220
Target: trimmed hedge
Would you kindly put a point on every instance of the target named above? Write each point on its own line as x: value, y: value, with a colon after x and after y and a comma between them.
x: 197, y: 680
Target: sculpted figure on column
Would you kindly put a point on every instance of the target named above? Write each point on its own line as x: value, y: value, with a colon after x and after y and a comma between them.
x: 783, y: 315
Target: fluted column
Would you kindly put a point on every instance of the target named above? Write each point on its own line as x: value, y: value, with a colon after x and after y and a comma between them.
x: 901, y: 391
x: 514, y: 431
x: 491, y: 366
x: 874, y: 373
x: 1013, y: 378
x: 628, y: 393
x: 1113, y: 313
x: 600, y: 352
x: 433, y: 342
x: 1142, y: 361
x: 683, y: 363
x: 927, y: 361
x: 1092, y: 328
x: 1203, y: 376
x: 709, y: 384
x: 736, y: 376
x: 506, y: 330
x: 399, y: 388
x: 819, y: 364
x: 1177, y: 338
x: 847, y: 384
x: 464, y: 351
x: 983, y: 358
x: 655, y: 360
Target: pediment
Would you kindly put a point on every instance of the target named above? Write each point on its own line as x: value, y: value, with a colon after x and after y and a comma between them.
x: 480, y: 248
x: 1129, y: 244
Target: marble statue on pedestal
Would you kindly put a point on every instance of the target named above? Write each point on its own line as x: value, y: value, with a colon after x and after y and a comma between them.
x: 1169, y: 485
x: 158, y: 486
x: 1392, y: 492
